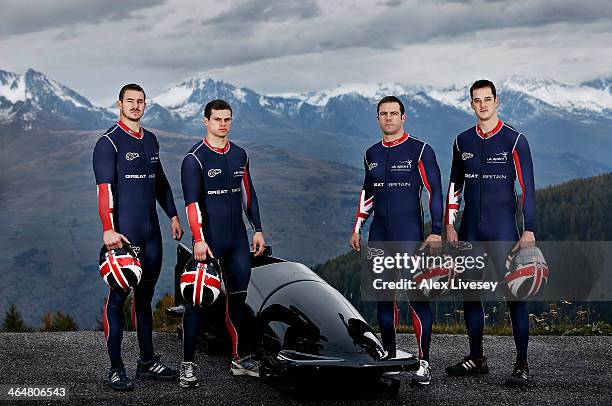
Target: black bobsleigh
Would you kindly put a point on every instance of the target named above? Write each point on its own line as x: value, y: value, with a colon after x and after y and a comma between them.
x: 302, y: 329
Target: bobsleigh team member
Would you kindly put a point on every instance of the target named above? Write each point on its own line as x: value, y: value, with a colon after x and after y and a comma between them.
x: 487, y: 160
x: 217, y: 186
x: 130, y: 180
x: 396, y: 170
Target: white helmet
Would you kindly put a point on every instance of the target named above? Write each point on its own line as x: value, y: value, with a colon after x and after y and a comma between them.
x: 527, y: 273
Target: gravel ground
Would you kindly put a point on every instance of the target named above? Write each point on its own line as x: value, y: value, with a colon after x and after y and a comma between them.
x: 565, y: 370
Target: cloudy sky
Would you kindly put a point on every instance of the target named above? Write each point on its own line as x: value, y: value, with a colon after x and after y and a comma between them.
x: 276, y: 46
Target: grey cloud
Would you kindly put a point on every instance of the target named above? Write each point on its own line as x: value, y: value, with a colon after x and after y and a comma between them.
x: 256, y: 11
x: 26, y: 16
x: 312, y: 30
x: 256, y: 30
x: 573, y: 60
x: 389, y: 3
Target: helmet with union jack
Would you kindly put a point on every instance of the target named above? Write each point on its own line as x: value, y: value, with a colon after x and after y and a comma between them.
x: 120, y: 268
x: 200, y: 282
x: 434, y: 279
x: 527, y: 273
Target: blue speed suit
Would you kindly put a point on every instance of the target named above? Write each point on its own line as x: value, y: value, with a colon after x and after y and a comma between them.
x: 130, y: 181
x: 217, y: 187
x: 485, y: 168
x: 395, y: 174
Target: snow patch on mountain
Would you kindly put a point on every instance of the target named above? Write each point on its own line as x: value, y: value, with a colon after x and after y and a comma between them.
x: 367, y: 90
x: 458, y: 97
x: 174, y: 96
x: 13, y: 87
x: 567, y: 97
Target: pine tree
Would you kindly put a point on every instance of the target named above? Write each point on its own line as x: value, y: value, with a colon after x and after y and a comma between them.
x: 13, y: 322
x: 58, y: 322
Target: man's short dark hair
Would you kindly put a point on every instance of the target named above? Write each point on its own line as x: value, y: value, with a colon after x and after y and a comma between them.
x: 390, y: 99
x: 217, y: 104
x: 481, y: 84
x: 131, y: 86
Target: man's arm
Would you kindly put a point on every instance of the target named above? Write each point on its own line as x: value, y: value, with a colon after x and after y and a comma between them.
x: 191, y: 181
x: 251, y: 208
x: 455, y: 189
x: 163, y: 192
x: 366, y: 204
x: 249, y: 199
x: 524, y: 173
x: 105, y: 172
x: 165, y: 198
x: 523, y: 166
x: 430, y: 176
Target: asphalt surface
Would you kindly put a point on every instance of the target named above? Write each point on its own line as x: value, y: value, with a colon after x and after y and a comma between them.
x: 565, y: 370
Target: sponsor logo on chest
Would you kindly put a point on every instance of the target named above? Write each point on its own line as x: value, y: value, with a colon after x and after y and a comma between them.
x: 467, y: 155
x: 402, y: 166
x: 130, y: 156
x: 498, y: 158
x: 372, y: 165
x: 213, y: 172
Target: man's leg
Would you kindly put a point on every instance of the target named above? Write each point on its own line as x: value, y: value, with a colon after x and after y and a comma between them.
x: 519, y: 315
x: 473, y: 315
x: 149, y: 365
x: 237, y: 273
x: 236, y: 276
x: 188, y: 374
x: 387, y: 314
x: 112, y: 320
x: 191, y: 325
x: 422, y: 321
x: 143, y: 296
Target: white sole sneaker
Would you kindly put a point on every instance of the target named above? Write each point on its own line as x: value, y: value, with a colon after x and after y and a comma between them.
x: 187, y: 384
x: 237, y: 370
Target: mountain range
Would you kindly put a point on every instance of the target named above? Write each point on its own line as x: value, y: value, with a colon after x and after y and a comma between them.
x: 306, y: 159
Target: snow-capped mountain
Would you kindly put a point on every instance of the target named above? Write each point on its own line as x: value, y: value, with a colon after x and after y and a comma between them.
x: 367, y: 90
x: 560, y: 118
x: 594, y: 97
x: 188, y: 98
x: 580, y: 99
x: 34, y: 100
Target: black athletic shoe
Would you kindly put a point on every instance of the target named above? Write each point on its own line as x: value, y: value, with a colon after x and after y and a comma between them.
x: 469, y: 366
x: 519, y: 377
x: 155, y: 369
x: 118, y: 379
x: 245, y: 366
